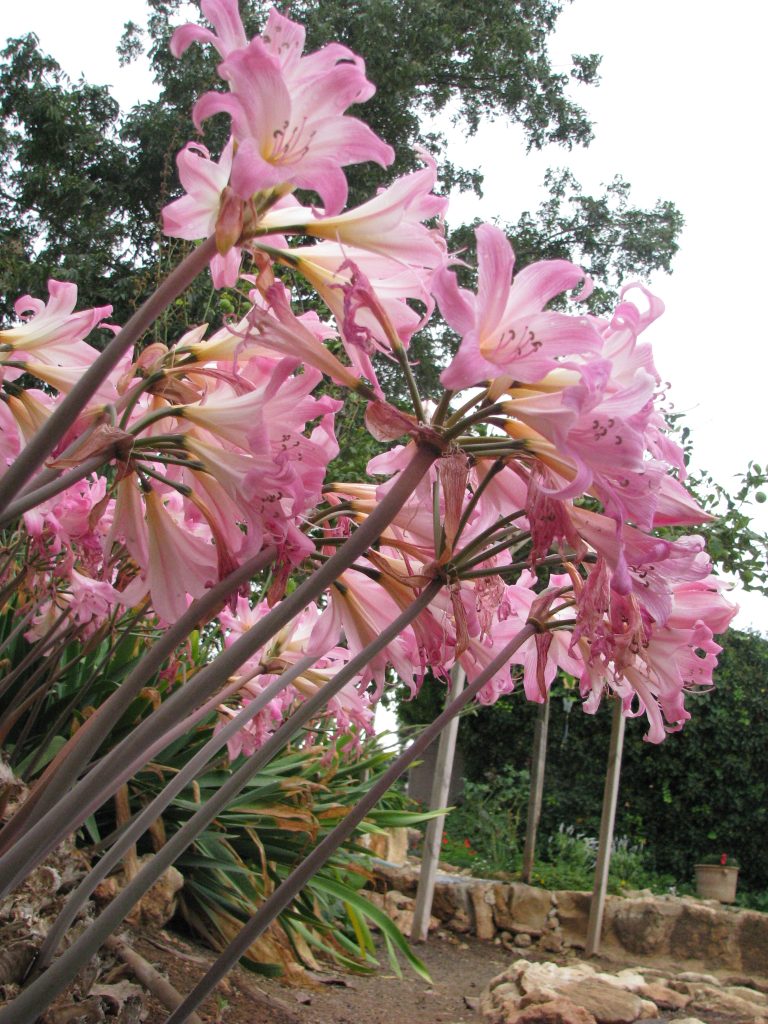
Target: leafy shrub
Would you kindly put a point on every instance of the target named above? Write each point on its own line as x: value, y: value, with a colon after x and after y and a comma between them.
x: 705, y: 788
x: 490, y: 819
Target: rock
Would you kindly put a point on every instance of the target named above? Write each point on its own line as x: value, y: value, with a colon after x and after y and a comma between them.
x: 607, y: 1003
x: 554, y: 1011
x: 460, y: 923
x: 627, y: 978
x: 525, y: 984
x: 665, y: 998
x: 644, y: 925
x: 704, y: 933
x: 697, y: 978
x: 573, y: 913
x: 483, y: 899
x: 523, y: 939
x: 502, y: 907
x: 390, y: 845
x: 158, y: 905
x: 747, y: 993
x: 450, y: 899
x: 752, y: 941
x: 550, y: 942
x: 716, y: 1002
x: 529, y: 908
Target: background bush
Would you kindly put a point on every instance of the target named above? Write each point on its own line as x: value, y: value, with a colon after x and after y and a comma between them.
x: 703, y: 791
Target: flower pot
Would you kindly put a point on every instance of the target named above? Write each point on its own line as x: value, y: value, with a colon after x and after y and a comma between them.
x: 716, y: 882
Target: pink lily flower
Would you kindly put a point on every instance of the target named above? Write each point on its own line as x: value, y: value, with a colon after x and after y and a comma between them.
x: 52, y: 332
x: 224, y: 15
x: 196, y: 213
x: 505, y: 329
x: 390, y: 224
x: 651, y: 665
x: 287, y: 110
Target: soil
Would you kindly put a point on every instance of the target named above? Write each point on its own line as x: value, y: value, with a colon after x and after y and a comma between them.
x: 459, y: 969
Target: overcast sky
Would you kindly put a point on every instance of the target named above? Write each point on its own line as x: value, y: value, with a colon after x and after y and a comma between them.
x: 680, y: 113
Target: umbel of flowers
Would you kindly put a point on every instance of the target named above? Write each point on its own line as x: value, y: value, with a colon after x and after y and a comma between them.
x: 516, y: 530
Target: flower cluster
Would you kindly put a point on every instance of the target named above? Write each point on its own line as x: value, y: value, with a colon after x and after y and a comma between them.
x: 549, y: 443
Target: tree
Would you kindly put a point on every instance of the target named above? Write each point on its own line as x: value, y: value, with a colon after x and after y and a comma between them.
x: 83, y: 183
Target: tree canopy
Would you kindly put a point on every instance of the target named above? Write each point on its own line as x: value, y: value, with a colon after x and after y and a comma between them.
x: 83, y: 182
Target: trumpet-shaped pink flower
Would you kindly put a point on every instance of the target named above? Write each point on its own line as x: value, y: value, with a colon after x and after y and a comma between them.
x: 505, y: 328
x: 52, y: 333
x: 224, y: 15
x: 390, y: 224
x: 663, y: 662
x: 196, y: 213
x: 287, y: 109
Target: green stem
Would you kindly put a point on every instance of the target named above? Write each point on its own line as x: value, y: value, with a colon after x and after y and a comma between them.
x: 410, y: 380
x: 488, y: 535
x: 442, y: 408
x: 470, y: 404
x: 477, y: 417
x: 472, y: 503
x: 513, y: 537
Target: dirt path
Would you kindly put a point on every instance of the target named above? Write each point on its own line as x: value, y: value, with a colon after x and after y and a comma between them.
x: 458, y: 970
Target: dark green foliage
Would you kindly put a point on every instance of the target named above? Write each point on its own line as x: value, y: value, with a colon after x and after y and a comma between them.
x: 703, y: 791
x: 82, y: 185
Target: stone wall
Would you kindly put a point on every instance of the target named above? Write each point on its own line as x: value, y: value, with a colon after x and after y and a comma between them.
x: 700, y: 933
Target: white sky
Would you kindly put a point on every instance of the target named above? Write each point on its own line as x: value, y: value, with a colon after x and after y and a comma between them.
x: 679, y: 113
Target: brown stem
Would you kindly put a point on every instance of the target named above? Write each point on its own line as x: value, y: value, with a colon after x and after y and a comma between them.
x: 62, y: 773
x: 151, y: 979
x: 66, y: 413
x: 295, y: 882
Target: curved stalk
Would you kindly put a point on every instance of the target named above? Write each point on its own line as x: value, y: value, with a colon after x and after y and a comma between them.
x: 96, y: 787
x: 34, y: 999
x: 141, y: 822
x: 31, y: 498
x: 62, y: 772
x: 290, y: 888
x: 65, y: 414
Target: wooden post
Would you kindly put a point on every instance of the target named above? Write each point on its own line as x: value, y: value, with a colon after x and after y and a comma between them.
x: 610, y: 797
x: 538, y: 766
x: 438, y: 798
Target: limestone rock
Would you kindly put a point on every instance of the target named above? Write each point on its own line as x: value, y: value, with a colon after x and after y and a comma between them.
x: 752, y: 941
x: 573, y: 913
x: 526, y: 985
x: 529, y: 908
x: 483, y: 900
x: 607, y: 1003
x: 665, y: 998
x: 158, y: 905
x: 704, y: 933
x: 391, y: 844
x: 644, y: 926
x: 554, y: 1011
x: 709, y: 1001
x: 747, y: 993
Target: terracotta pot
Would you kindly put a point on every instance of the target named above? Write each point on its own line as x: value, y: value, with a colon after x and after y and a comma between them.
x: 716, y: 882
